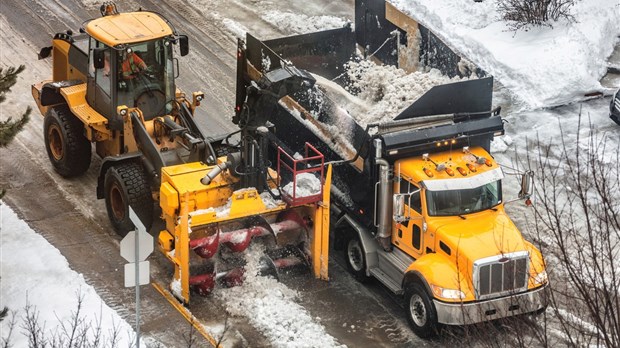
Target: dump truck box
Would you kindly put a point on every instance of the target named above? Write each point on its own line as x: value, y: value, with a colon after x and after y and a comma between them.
x: 459, y: 112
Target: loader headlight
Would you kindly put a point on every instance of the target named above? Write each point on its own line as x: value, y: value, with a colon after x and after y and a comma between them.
x: 449, y: 294
x: 198, y: 97
x: 122, y: 110
x: 541, y: 278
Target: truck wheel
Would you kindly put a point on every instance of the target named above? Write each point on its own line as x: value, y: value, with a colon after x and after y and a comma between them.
x: 355, y: 256
x: 421, y: 312
x: 126, y: 184
x: 67, y: 147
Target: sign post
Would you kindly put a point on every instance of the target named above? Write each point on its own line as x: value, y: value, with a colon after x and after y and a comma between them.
x: 135, y: 248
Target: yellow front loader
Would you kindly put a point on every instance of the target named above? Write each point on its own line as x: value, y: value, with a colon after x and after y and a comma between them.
x: 113, y: 85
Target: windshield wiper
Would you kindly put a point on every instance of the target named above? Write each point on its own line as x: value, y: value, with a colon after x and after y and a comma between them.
x: 462, y: 217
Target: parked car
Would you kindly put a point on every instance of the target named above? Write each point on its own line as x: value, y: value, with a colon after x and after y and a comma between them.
x: 614, y: 107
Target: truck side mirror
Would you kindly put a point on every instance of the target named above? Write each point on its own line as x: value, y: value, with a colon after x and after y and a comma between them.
x: 398, y: 207
x: 98, y: 59
x: 527, y: 185
x: 183, y: 45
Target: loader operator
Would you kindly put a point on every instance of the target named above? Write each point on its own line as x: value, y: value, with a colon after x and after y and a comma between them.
x: 132, y: 66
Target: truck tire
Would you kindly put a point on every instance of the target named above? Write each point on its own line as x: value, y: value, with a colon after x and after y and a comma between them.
x: 67, y: 148
x: 355, y: 256
x: 421, y: 312
x: 126, y: 184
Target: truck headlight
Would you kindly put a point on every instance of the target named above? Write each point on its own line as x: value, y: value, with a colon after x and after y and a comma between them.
x: 450, y: 294
x: 541, y: 278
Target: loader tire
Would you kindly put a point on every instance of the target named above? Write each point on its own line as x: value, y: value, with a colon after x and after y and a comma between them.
x: 67, y: 148
x: 355, y: 256
x: 126, y: 185
x: 421, y: 312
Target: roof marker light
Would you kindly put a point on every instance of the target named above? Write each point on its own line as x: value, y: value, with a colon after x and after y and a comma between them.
x: 462, y: 171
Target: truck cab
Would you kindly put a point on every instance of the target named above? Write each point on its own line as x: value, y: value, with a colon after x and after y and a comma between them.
x: 453, y: 252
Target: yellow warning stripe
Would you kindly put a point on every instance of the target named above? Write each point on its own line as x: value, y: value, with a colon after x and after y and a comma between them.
x: 186, y: 314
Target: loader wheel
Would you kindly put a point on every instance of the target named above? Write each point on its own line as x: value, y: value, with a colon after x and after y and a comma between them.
x: 421, y: 312
x: 126, y: 184
x: 355, y: 256
x: 67, y: 147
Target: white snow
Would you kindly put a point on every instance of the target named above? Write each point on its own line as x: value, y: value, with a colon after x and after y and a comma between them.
x: 542, y: 66
x: 298, y: 23
x: 307, y: 185
x: 51, y: 287
x: 270, y: 306
x: 384, y: 90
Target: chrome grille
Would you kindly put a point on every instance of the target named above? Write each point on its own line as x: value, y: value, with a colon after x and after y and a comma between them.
x: 501, y: 274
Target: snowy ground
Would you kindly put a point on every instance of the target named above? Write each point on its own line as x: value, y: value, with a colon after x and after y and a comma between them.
x: 52, y: 288
x: 543, y: 66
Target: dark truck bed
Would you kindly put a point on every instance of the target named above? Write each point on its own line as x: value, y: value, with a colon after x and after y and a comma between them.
x: 463, y: 110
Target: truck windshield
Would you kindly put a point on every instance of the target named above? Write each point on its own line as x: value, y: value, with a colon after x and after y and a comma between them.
x: 464, y: 201
x: 146, y: 77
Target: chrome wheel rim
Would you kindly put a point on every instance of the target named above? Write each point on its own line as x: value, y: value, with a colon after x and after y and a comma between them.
x: 417, y: 310
x: 355, y: 256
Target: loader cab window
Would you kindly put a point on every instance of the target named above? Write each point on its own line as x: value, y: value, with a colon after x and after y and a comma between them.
x: 99, y: 90
x: 146, y: 77
x: 101, y: 76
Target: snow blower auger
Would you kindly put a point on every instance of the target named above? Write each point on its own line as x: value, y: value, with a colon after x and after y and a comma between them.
x: 213, y: 212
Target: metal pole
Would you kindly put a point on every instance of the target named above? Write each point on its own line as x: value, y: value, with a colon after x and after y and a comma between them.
x: 137, y: 263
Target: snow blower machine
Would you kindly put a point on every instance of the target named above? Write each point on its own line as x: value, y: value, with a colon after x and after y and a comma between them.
x: 214, y: 212
x: 116, y: 88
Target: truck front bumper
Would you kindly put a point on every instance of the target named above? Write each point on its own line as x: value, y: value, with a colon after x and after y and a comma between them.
x: 475, y: 312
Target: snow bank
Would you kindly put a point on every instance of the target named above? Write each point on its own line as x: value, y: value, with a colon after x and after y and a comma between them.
x: 270, y: 306
x: 297, y: 23
x: 50, y: 286
x: 541, y: 66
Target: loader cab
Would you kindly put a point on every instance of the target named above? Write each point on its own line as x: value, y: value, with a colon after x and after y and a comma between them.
x: 133, y: 67
x: 139, y: 75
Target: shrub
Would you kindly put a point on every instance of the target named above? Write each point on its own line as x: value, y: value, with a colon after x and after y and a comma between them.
x: 524, y: 13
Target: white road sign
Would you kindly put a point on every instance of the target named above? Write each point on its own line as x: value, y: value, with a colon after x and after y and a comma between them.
x: 128, y: 246
x: 144, y: 240
x: 143, y: 273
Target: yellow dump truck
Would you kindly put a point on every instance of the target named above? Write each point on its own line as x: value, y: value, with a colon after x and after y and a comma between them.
x: 418, y: 202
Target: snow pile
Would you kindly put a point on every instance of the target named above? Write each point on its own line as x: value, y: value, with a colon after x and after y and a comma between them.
x: 307, y: 185
x: 288, y: 23
x: 269, y: 201
x: 270, y: 306
x: 297, y: 23
x: 50, y: 286
x: 540, y: 66
x: 224, y: 210
x: 389, y: 90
